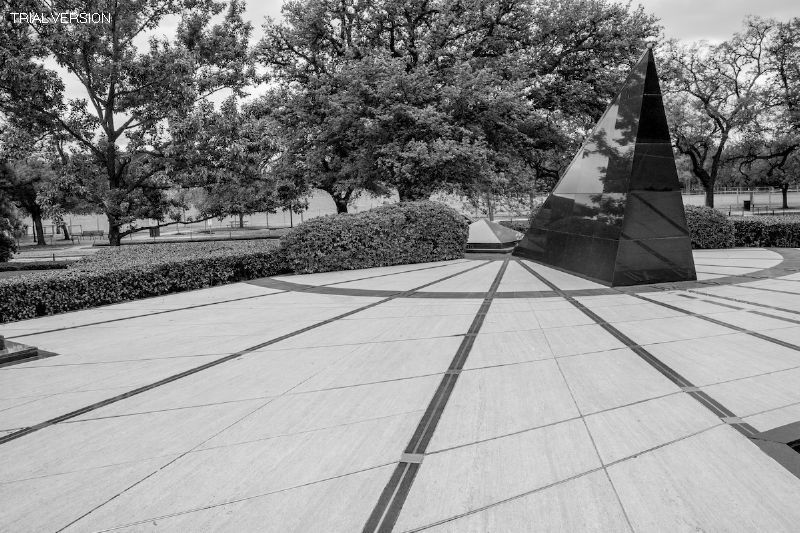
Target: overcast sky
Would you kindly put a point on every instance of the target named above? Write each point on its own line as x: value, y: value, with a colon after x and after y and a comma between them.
x: 688, y: 20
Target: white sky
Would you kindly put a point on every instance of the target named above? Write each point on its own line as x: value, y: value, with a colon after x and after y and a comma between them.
x: 687, y: 20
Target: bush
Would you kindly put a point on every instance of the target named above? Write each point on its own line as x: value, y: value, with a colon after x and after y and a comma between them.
x: 758, y: 231
x: 116, y: 275
x: 413, y: 232
x: 34, y: 265
x: 708, y: 227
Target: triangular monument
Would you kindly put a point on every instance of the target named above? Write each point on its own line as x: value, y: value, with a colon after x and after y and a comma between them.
x: 616, y: 215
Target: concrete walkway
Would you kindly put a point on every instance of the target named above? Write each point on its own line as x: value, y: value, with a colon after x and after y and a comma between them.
x: 484, y: 394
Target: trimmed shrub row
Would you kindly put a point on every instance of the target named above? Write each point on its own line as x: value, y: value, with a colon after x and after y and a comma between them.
x: 115, y: 275
x: 766, y: 231
x: 708, y: 227
x: 397, y: 234
x: 412, y: 232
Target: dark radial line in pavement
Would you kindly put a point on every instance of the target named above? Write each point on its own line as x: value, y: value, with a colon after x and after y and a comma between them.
x: 739, y: 308
x: 664, y: 369
x: 386, y: 511
x: 210, y: 364
x: 288, y: 287
x: 743, y: 301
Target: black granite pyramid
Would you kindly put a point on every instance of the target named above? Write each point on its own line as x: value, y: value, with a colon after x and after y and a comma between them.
x: 616, y: 215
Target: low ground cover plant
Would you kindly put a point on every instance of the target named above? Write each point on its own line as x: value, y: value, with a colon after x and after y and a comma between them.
x: 765, y: 231
x: 412, y: 232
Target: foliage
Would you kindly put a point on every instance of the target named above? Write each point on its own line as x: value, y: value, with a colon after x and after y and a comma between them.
x: 523, y: 225
x: 517, y: 225
x: 733, y: 105
x: 7, y: 243
x: 411, y: 232
x: 120, y: 133
x: 766, y: 231
x: 124, y: 273
x: 708, y: 227
x: 478, y: 98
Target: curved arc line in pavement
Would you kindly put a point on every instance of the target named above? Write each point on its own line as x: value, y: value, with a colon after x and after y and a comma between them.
x: 791, y: 260
x: 291, y: 288
x: 210, y: 364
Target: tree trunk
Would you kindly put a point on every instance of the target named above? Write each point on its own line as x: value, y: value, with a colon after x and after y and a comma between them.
x: 709, y: 196
x: 490, y: 206
x: 785, y: 194
x: 113, y: 231
x: 38, y: 227
x: 65, y: 229
x: 241, y: 220
x: 341, y: 203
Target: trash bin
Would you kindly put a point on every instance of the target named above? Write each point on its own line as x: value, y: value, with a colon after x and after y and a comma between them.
x: 746, y: 206
x: 155, y: 232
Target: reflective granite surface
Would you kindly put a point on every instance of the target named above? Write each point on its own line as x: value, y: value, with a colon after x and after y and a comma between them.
x: 617, y: 215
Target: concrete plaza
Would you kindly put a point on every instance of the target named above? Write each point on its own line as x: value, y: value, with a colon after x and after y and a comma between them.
x: 484, y: 394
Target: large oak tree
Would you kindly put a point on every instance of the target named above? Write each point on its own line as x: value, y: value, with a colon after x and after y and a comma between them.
x: 132, y: 90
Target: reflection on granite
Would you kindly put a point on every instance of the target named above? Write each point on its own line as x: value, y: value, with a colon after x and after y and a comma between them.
x: 617, y: 215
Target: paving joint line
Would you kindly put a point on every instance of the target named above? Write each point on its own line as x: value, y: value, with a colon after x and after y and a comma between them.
x: 210, y: 364
x: 391, y: 500
x: 559, y: 482
x: 665, y: 370
x: 156, y: 313
x: 747, y: 302
x: 738, y: 329
x: 753, y: 311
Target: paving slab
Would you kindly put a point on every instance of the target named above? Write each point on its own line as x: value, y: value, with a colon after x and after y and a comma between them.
x: 670, y: 489
x: 220, y: 475
x: 494, y: 402
x: 246, y: 407
x: 584, y: 503
x: 490, y: 472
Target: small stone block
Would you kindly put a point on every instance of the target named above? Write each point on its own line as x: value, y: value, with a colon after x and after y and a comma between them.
x: 412, y: 458
x: 14, y: 351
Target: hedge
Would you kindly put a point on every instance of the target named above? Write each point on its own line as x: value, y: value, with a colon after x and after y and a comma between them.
x: 708, y: 227
x: 115, y: 275
x: 412, y: 232
x: 765, y: 231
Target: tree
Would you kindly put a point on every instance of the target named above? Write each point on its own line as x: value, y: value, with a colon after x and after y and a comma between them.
x: 428, y: 95
x: 122, y: 126
x: 714, y: 93
x: 771, y: 144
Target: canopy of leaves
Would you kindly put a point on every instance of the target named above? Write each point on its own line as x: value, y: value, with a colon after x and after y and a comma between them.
x: 428, y: 95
